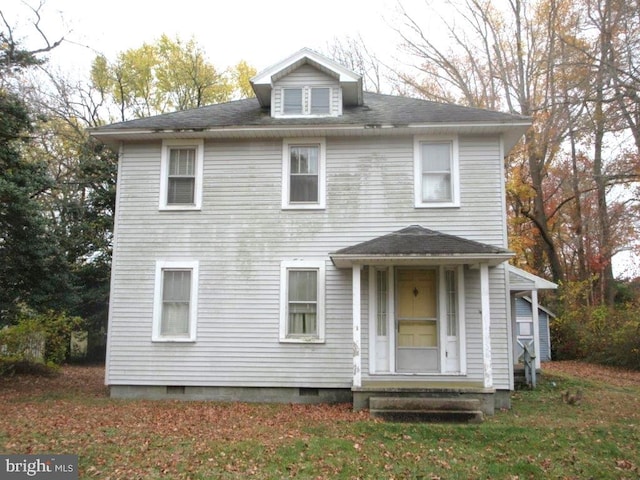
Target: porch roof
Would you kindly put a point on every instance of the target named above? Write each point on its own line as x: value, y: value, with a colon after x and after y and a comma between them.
x: 417, y: 245
x: 521, y: 280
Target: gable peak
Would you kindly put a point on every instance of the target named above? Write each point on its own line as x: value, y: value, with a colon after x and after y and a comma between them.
x: 350, y: 82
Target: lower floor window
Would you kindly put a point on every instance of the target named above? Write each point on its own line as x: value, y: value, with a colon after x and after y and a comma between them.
x: 176, y: 295
x: 302, y: 301
x: 175, y: 301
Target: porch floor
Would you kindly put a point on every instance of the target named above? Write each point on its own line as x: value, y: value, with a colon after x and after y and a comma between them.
x: 422, y: 385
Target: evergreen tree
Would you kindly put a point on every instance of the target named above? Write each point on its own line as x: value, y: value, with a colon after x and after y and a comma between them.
x: 31, y: 268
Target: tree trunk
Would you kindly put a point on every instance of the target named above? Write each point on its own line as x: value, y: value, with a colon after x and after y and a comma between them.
x: 538, y: 215
x: 606, y: 269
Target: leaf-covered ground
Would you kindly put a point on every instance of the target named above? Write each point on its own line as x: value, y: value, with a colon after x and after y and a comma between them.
x: 614, y: 376
x: 540, y: 437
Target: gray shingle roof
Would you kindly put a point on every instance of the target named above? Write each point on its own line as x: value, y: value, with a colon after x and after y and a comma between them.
x: 417, y: 240
x: 377, y: 109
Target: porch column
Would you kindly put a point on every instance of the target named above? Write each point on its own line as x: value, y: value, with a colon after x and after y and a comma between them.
x: 536, y: 326
x: 486, y: 325
x: 357, y: 334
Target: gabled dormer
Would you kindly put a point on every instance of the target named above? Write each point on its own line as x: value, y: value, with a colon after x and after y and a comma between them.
x: 307, y: 84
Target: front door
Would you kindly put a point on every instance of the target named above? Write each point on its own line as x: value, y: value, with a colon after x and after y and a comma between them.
x: 416, y: 319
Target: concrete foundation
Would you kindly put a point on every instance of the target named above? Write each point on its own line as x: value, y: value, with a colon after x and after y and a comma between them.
x: 233, y: 394
x: 503, y: 399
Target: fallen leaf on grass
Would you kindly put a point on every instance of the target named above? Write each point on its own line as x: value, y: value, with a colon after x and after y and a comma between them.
x: 625, y: 465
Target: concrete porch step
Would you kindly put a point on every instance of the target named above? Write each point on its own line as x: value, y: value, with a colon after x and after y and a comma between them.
x: 420, y: 409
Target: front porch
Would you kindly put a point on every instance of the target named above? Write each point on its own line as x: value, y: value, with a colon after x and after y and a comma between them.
x: 422, y: 320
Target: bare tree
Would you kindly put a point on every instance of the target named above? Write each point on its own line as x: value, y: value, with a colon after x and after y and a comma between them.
x: 13, y: 56
x: 353, y: 53
x: 499, y: 60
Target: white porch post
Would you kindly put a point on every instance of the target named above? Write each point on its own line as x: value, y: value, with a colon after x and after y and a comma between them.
x: 357, y: 334
x: 536, y: 326
x: 486, y: 325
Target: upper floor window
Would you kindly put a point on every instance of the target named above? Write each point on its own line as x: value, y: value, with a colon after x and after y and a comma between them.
x: 301, y: 101
x: 181, y: 170
x: 436, y: 172
x: 303, y: 173
x: 175, y: 308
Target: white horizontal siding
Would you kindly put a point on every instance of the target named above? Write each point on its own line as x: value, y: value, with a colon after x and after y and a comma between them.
x: 240, y: 237
x: 308, y: 76
x: 473, y: 319
x: 500, y: 337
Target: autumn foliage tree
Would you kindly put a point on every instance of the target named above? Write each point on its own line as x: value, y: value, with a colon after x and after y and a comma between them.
x: 572, y: 184
x: 165, y: 76
x: 570, y: 210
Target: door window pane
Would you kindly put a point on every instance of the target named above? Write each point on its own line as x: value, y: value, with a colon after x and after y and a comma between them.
x: 525, y: 329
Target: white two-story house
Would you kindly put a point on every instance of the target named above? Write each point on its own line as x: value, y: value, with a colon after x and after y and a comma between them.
x: 314, y: 243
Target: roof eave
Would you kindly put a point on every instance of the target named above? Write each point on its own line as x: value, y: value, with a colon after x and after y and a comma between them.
x: 492, y: 259
x: 511, y: 132
x: 539, y: 283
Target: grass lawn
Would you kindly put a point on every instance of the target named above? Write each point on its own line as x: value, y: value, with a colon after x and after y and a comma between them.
x: 540, y: 437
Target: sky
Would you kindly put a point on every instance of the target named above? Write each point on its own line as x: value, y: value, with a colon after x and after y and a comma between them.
x: 261, y: 32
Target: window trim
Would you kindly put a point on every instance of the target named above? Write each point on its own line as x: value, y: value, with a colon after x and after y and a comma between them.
x: 167, y: 144
x: 161, y: 266
x: 285, y: 267
x: 287, y: 143
x: 455, y: 171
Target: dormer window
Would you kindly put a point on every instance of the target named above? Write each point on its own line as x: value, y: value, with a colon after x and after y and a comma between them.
x: 292, y: 101
x: 307, y: 84
x: 320, y: 101
x: 306, y: 101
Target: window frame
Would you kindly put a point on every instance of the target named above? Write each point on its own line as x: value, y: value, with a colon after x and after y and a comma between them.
x: 287, y: 266
x: 419, y: 141
x: 167, y: 145
x: 161, y: 267
x: 311, y: 106
x: 302, y: 101
x: 287, y: 143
